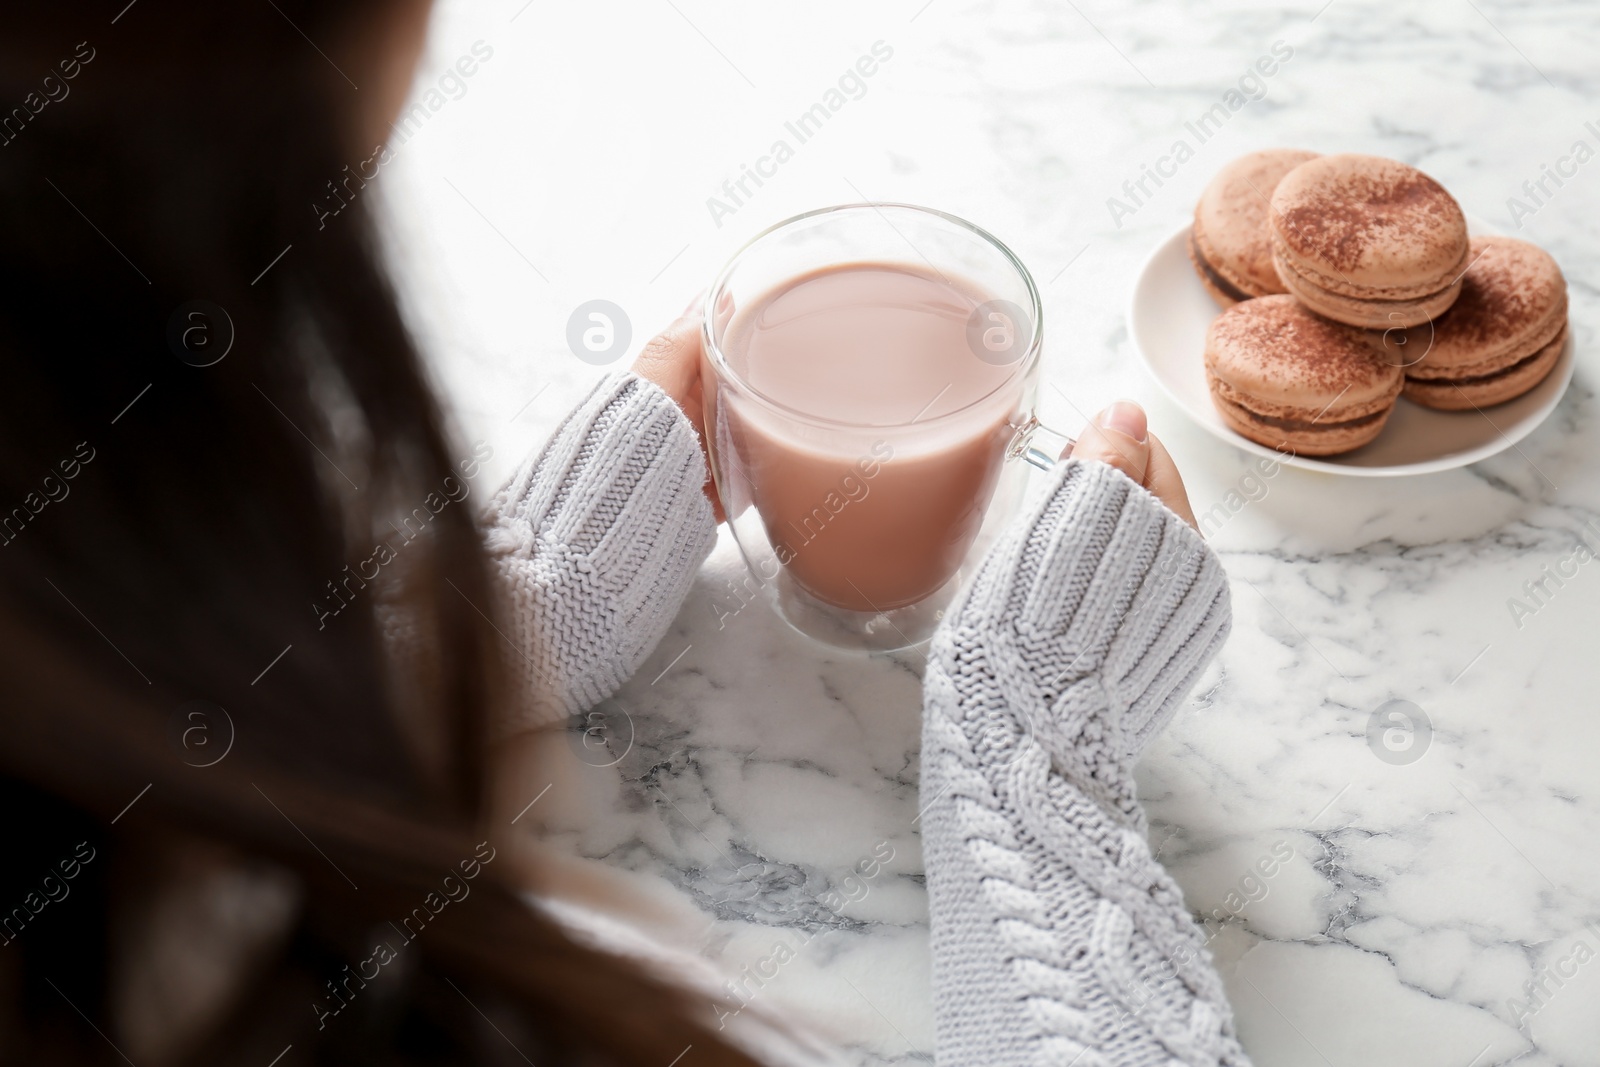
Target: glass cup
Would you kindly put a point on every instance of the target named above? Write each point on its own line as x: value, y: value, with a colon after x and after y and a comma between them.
x: 859, y: 531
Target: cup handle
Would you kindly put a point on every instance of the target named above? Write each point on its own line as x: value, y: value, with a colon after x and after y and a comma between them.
x: 1038, y: 444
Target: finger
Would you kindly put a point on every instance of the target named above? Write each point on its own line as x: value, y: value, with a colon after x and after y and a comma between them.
x: 672, y: 361
x: 1119, y: 435
x: 695, y: 402
x: 1166, y: 483
x: 672, y: 358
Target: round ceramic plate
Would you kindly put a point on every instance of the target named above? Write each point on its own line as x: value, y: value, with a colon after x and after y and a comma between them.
x: 1168, y: 320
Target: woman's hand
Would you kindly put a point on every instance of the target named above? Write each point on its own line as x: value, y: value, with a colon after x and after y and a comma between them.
x: 672, y: 361
x: 1120, y: 435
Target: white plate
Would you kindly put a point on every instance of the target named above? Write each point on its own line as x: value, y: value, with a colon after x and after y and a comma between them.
x: 1167, y: 321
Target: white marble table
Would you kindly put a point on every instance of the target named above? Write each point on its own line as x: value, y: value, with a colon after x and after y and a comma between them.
x: 1423, y: 900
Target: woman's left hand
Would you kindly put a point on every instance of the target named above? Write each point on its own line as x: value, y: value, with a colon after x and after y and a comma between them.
x: 672, y: 361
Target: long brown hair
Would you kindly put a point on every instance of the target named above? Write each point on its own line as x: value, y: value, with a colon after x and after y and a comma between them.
x: 210, y: 402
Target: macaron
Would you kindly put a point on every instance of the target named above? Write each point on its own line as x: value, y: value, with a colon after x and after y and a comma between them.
x: 1501, y: 337
x: 1230, y: 243
x: 1291, y: 380
x: 1368, y: 241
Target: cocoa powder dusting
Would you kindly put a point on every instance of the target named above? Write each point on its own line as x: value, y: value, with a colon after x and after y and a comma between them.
x: 1340, y: 222
x: 1297, y: 347
x: 1502, y: 294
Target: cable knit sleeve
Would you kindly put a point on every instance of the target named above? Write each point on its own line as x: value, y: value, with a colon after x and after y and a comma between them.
x: 594, y: 544
x: 1057, y: 937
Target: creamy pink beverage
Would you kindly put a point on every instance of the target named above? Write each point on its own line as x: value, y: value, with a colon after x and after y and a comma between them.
x: 864, y: 520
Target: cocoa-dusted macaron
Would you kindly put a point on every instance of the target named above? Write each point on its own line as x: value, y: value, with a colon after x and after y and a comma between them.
x: 1368, y: 241
x: 1499, y: 339
x: 1286, y: 378
x: 1230, y: 243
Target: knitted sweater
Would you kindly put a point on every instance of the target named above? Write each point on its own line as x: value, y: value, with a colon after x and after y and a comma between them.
x: 1057, y: 938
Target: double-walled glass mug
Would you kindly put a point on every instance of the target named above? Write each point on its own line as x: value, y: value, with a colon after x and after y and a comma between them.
x: 870, y: 369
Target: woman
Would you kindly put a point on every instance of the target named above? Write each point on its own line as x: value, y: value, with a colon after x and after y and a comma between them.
x: 213, y: 413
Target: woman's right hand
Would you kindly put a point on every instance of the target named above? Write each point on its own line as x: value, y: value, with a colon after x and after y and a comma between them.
x: 672, y: 361
x: 1120, y: 436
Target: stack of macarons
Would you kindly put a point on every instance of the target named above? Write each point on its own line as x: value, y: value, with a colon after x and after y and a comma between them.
x: 1349, y: 280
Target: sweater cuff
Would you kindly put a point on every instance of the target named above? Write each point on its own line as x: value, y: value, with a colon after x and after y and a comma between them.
x: 1178, y: 620
x: 1101, y: 585
x: 596, y: 541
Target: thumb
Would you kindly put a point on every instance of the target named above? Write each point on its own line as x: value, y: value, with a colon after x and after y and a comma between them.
x: 1120, y: 436
x: 672, y: 358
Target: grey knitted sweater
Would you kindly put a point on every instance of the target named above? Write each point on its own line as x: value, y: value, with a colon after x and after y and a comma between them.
x: 1057, y: 938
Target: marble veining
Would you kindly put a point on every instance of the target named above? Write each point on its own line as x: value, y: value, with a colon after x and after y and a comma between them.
x: 1434, y: 890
